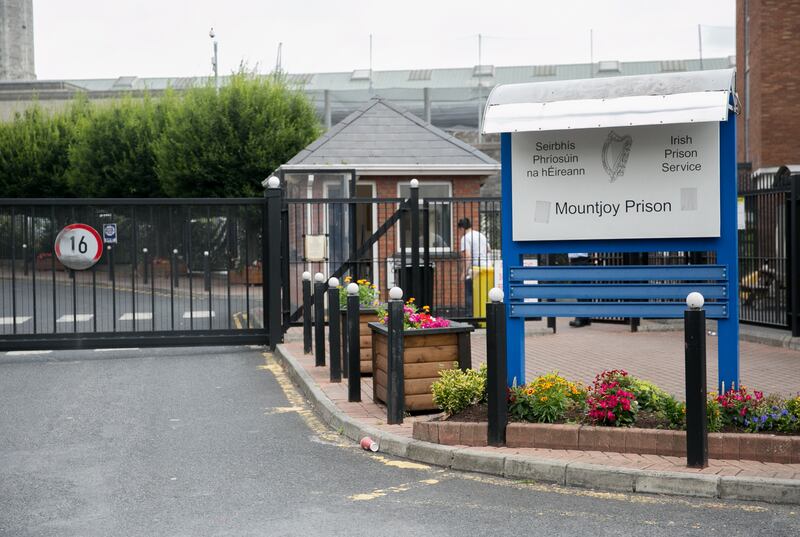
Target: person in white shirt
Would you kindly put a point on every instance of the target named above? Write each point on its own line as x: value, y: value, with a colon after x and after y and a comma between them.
x: 475, y: 250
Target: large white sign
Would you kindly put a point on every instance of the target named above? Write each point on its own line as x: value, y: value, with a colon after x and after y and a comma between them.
x: 616, y: 183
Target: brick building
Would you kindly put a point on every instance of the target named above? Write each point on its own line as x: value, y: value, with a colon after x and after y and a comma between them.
x: 768, y: 82
x: 345, y: 185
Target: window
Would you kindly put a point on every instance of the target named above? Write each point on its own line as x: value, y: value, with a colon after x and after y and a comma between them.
x: 439, y: 216
x: 611, y: 66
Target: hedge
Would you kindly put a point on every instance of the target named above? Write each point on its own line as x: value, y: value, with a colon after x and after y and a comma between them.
x: 198, y: 143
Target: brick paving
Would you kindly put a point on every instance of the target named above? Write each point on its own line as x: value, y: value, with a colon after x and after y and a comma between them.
x: 610, y: 346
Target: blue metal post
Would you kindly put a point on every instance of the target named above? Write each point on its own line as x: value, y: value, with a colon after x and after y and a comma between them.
x: 515, y: 327
x: 728, y: 254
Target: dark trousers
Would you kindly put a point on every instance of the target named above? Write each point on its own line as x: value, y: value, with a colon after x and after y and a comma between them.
x: 581, y: 261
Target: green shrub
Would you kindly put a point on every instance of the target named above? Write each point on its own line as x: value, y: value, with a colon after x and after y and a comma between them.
x: 456, y: 390
x: 674, y: 412
x: 112, y: 152
x: 649, y: 396
x: 196, y: 143
x: 34, y: 153
x: 224, y: 144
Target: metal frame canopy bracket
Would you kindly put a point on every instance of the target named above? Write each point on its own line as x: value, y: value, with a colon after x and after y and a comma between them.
x: 584, y: 187
x: 688, y: 97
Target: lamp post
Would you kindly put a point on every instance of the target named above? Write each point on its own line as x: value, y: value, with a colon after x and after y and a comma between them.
x: 214, y: 63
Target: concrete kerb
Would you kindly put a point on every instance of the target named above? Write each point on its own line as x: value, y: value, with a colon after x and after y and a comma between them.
x: 576, y: 474
x: 703, y: 486
x: 761, y: 489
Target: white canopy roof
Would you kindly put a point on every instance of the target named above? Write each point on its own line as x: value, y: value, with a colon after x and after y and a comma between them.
x: 686, y: 97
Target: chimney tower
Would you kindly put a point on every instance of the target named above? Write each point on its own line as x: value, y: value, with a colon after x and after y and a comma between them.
x: 16, y: 40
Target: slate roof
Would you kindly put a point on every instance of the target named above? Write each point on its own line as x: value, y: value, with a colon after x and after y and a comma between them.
x: 381, y: 137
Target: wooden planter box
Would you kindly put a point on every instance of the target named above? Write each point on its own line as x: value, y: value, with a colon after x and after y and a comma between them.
x: 367, y: 315
x: 425, y: 353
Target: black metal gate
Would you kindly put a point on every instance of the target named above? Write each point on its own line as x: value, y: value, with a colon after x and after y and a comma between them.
x: 182, y: 272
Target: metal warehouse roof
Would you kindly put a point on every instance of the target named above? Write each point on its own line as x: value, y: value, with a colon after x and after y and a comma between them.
x: 457, y: 77
x: 379, y: 138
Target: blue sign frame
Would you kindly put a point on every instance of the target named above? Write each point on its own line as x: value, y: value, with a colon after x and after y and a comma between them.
x: 725, y: 246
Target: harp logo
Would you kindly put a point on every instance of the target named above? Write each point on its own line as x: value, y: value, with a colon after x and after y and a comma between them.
x: 615, y: 154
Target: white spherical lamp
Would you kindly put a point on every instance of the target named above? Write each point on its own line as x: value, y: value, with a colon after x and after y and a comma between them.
x: 414, y: 183
x: 319, y: 277
x: 307, y: 276
x: 273, y: 182
x: 333, y: 282
x: 395, y: 293
x: 695, y: 300
x: 352, y: 289
x: 496, y: 294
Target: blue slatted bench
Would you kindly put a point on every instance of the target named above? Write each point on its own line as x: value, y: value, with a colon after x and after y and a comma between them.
x: 646, y: 291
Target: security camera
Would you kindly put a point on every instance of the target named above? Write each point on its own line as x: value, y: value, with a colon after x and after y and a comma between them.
x: 211, y: 33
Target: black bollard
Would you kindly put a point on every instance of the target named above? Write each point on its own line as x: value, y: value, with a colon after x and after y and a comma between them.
x: 496, y: 381
x: 307, y: 307
x: 694, y: 320
x: 319, y: 320
x: 334, y: 330
x: 395, y: 397
x: 353, y: 348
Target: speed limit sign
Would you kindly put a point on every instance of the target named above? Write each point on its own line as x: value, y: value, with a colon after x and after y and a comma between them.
x: 78, y: 246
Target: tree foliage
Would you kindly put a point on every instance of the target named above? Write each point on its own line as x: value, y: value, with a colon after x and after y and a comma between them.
x: 224, y: 145
x: 198, y: 143
x: 34, y: 153
x: 112, y: 151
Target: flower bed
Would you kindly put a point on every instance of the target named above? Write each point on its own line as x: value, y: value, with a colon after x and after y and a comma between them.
x: 619, y: 412
x: 731, y: 446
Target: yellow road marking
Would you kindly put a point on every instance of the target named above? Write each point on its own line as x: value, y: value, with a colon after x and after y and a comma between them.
x: 379, y: 493
x: 406, y: 465
x: 297, y: 402
x: 283, y: 410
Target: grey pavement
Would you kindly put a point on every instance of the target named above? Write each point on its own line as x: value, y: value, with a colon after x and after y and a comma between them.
x: 216, y: 441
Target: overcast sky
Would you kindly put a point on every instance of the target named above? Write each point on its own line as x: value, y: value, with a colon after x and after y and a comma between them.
x: 111, y: 38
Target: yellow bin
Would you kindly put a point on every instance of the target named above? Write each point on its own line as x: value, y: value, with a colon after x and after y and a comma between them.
x: 482, y: 282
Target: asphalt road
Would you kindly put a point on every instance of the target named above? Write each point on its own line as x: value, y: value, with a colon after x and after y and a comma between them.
x: 215, y: 441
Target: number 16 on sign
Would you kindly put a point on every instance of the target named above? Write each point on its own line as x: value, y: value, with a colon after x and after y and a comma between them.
x: 78, y: 246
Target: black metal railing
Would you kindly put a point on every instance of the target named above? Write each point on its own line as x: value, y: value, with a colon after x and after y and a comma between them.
x: 325, y: 234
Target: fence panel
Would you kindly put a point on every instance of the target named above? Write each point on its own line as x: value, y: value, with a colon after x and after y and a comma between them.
x: 320, y: 240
